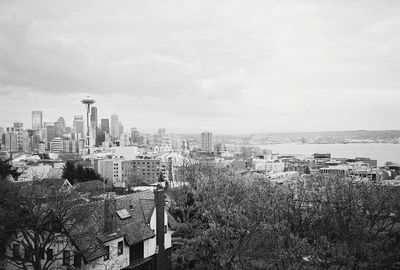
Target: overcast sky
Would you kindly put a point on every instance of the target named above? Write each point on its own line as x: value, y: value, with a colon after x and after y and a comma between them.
x: 223, y: 66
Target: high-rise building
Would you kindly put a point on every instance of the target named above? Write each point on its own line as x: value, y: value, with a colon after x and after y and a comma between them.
x: 35, y: 141
x: 93, y: 123
x: 56, y: 145
x: 78, y: 124
x: 51, y: 133
x: 93, y: 117
x: 37, y: 119
x: 135, y: 136
x: 114, y: 128
x: 105, y: 125
x: 11, y: 140
x: 206, y: 142
x: 121, y: 128
x: 19, y: 129
x: 61, y: 120
x: 161, y: 131
x: 59, y: 128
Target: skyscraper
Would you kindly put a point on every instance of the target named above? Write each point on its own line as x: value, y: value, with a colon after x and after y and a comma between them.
x: 114, y: 129
x: 51, y: 133
x: 135, y: 136
x: 93, y: 123
x: 37, y: 119
x: 78, y: 124
x: 206, y: 142
x: 59, y: 127
x: 62, y: 122
x: 19, y: 129
x: 105, y: 125
x: 121, y: 128
x: 93, y: 117
x: 11, y: 140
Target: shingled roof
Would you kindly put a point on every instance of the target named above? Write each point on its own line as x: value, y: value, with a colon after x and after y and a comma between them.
x: 135, y: 227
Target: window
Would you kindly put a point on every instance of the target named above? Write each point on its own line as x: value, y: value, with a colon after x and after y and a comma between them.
x: 107, y: 256
x: 66, y: 257
x: 77, y: 260
x: 28, y: 253
x: 16, y: 251
x: 137, y: 251
x: 49, y: 254
x: 120, y: 248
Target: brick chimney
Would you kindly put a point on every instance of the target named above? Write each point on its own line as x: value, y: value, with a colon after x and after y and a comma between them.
x: 159, y: 199
x: 110, y: 205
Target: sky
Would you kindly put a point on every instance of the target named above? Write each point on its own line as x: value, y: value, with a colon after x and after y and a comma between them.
x: 226, y: 66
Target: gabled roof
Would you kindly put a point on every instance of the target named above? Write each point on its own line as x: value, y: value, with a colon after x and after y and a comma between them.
x: 135, y: 227
x: 90, y: 237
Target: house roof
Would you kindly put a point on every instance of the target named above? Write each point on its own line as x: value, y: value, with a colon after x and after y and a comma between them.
x: 90, y: 237
x: 44, y: 188
x: 135, y: 227
x: 45, y: 183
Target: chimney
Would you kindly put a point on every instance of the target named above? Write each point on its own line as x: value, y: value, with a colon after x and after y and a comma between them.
x: 159, y: 200
x: 109, y: 212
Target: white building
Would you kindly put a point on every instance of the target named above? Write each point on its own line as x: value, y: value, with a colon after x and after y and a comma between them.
x: 206, y: 141
x: 56, y: 145
x: 266, y: 165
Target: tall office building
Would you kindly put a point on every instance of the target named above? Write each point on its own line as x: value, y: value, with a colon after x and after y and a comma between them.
x: 11, y: 142
x: 37, y: 119
x: 114, y: 128
x: 93, y: 123
x: 121, y: 128
x: 93, y: 117
x: 206, y: 142
x: 51, y: 133
x: 135, y: 136
x: 78, y: 124
x: 19, y: 129
x: 105, y: 126
x: 59, y: 128
x: 61, y: 120
x: 161, y: 131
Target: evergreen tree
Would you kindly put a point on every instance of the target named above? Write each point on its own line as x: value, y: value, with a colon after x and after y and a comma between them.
x: 7, y: 169
x: 78, y: 173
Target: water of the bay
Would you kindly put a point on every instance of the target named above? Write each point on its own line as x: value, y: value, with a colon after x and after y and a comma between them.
x: 380, y: 151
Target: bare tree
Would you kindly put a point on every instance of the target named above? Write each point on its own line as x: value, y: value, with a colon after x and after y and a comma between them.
x: 45, y: 225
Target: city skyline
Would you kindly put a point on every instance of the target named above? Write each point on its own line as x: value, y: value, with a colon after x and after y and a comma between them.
x: 188, y: 67
x: 153, y: 130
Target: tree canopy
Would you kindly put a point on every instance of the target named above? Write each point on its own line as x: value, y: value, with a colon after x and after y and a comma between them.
x: 77, y: 173
x: 7, y: 169
x: 318, y: 222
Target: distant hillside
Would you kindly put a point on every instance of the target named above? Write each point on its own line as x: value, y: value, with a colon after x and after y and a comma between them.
x: 353, y: 134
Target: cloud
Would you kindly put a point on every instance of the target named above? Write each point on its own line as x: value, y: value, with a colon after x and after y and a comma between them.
x: 224, y: 65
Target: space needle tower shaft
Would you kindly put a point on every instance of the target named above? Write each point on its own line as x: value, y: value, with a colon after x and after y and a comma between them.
x: 88, y: 140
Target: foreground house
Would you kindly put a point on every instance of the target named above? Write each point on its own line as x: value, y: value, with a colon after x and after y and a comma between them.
x: 117, y: 232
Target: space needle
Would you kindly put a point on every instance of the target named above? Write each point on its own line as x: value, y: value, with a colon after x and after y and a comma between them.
x: 88, y: 140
